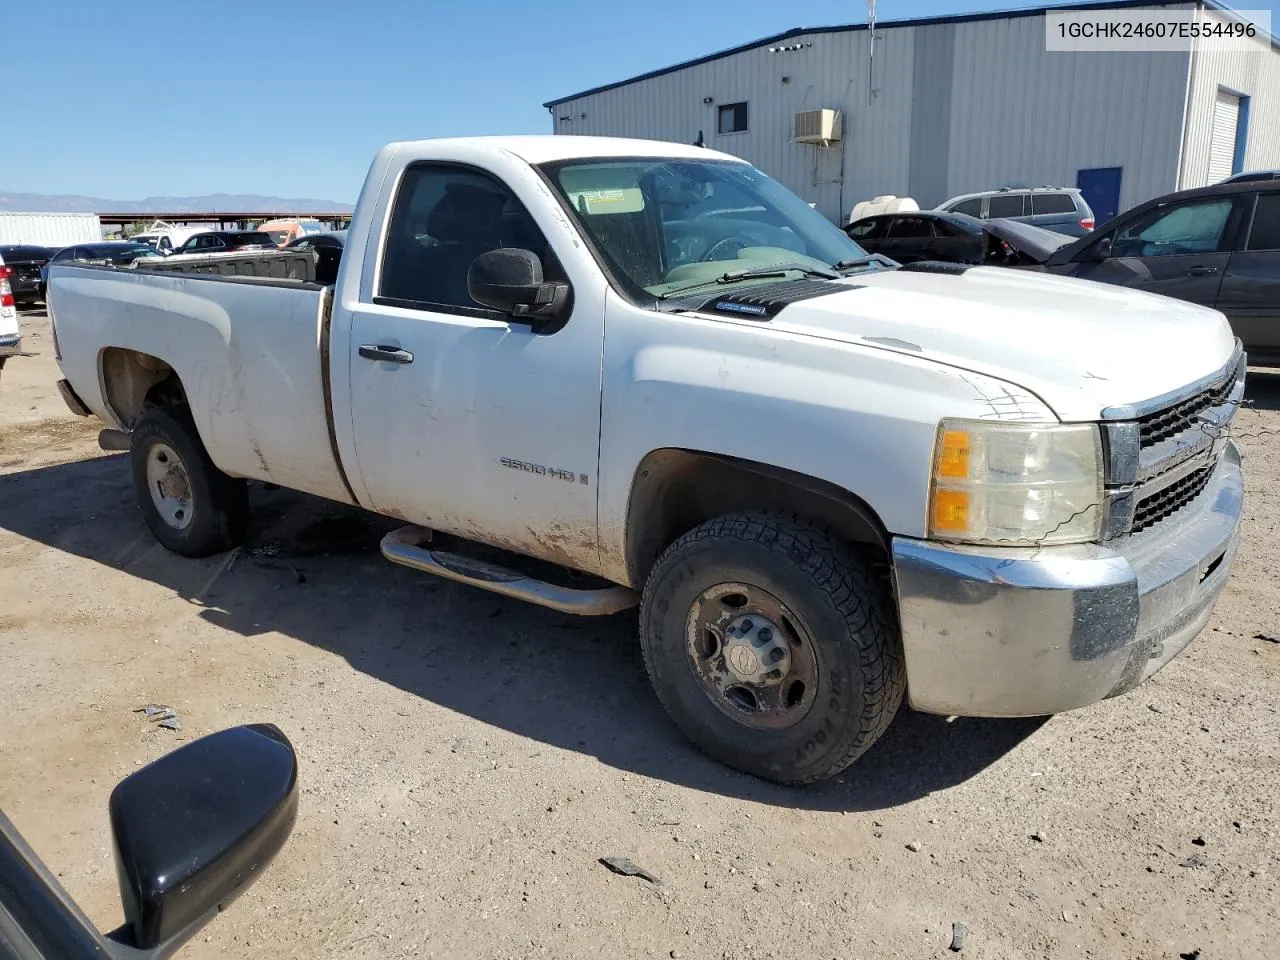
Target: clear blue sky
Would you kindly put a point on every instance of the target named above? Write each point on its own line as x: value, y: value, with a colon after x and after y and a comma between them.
x: 126, y: 100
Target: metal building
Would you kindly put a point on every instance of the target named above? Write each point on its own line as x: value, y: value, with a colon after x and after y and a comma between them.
x: 932, y: 108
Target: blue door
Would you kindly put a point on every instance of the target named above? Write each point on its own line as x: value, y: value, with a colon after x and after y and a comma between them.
x: 1101, y: 189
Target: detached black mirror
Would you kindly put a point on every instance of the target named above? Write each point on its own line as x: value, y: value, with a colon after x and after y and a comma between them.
x: 1101, y: 250
x: 510, y: 279
x: 195, y: 828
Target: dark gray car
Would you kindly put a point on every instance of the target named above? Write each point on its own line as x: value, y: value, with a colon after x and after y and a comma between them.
x: 1217, y: 246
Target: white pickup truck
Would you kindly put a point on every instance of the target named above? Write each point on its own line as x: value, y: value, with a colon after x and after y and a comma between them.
x: 828, y: 481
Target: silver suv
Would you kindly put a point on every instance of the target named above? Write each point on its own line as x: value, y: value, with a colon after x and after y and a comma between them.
x: 1060, y: 209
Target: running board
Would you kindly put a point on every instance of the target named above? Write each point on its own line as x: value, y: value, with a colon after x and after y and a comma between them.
x: 405, y: 547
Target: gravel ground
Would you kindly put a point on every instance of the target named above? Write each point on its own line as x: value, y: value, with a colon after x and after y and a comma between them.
x: 465, y: 759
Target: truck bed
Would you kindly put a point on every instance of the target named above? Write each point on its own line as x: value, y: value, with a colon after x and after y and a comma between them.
x: 251, y: 353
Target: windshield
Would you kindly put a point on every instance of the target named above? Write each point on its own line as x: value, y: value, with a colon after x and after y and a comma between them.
x: 276, y: 236
x: 664, y: 224
x: 310, y: 226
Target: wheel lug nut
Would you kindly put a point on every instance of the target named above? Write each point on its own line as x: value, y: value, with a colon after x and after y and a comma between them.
x: 766, y: 634
x: 747, y: 625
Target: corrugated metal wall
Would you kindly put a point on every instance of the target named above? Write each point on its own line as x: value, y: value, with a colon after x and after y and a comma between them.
x: 50, y: 229
x: 1254, y: 74
x: 1021, y: 114
x: 955, y: 107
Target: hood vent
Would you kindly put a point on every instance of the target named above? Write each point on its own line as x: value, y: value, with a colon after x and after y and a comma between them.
x: 766, y: 302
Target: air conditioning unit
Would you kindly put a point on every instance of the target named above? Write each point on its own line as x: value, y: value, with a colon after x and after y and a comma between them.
x: 817, y: 126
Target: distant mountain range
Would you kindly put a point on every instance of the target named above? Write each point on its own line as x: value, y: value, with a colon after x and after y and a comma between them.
x: 212, y: 203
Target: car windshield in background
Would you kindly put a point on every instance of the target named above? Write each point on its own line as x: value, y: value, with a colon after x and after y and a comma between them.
x: 666, y: 224
x: 277, y: 236
x: 249, y: 239
x: 311, y: 226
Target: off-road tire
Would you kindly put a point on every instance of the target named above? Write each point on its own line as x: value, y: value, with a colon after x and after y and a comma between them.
x: 844, y: 598
x: 219, y: 503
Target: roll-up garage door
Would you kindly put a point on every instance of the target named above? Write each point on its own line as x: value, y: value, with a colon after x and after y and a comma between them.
x: 1222, y: 142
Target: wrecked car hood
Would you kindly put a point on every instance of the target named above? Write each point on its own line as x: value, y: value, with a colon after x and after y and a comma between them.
x: 1078, y: 345
x: 1036, y: 242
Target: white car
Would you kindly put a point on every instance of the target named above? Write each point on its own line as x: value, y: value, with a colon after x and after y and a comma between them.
x: 828, y: 481
x: 10, y: 334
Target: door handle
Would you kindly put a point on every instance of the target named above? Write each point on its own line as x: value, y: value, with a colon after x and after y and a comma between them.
x: 1201, y: 271
x: 380, y: 351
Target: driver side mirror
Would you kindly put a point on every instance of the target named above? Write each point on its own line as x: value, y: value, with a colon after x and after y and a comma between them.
x: 195, y: 828
x: 1101, y: 250
x: 510, y: 279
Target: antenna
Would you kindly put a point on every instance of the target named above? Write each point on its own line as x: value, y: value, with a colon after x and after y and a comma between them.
x: 871, y: 54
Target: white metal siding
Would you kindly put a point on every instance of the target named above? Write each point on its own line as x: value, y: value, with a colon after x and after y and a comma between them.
x: 50, y: 229
x: 1024, y: 114
x: 1222, y: 142
x: 1254, y: 74
x: 1012, y: 112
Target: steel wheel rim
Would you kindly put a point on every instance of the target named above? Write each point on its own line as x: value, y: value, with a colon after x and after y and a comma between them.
x: 169, y: 486
x: 752, y: 656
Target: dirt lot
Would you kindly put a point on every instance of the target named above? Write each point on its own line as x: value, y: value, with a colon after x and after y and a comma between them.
x: 465, y: 759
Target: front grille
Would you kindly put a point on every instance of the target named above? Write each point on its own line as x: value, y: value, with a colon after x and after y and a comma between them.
x: 1173, y: 420
x: 1165, y: 503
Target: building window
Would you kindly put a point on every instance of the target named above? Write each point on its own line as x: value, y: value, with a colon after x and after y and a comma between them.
x: 733, y: 118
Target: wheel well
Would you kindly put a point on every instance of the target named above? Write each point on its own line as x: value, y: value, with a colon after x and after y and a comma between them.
x: 676, y: 490
x: 133, y: 382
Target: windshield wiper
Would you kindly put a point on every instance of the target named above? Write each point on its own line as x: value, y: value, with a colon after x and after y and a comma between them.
x: 772, y: 270
x: 866, y: 261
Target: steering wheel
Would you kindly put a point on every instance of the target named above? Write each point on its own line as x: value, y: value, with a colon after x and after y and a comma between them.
x: 714, y: 251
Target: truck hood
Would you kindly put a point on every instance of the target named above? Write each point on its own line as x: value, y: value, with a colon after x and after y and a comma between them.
x: 1078, y: 345
x: 1036, y: 242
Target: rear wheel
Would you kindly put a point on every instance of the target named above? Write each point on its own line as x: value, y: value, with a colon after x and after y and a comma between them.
x: 192, y: 507
x: 773, y: 646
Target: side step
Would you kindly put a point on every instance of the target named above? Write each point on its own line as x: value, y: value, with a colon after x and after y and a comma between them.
x: 405, y: 547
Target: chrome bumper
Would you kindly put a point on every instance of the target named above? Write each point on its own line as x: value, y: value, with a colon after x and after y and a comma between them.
x: 1026, y: 632
x: 11, y: 345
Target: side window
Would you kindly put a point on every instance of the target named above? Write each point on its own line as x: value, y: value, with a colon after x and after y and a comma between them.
x: 1181, y: 229
x: 872, y: 229
x: 943, y: 228
x: 165, y: 244
x: 1052, y: 203
x: 1265, y: 233
x: 1005, y: 205
x: 909, y: 228
x: 442, y: 219
x: 732, y: 118
x: 972, y: 207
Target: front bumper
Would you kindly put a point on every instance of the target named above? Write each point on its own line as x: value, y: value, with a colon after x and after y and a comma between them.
x: 10, y: 345
x: 1027, y: 632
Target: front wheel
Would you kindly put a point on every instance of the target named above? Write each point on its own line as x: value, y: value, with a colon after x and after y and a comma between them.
x: 192, y: 507
x: 773, y: 646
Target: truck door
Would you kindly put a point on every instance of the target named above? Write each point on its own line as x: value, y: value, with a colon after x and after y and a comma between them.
x: 464, y: 419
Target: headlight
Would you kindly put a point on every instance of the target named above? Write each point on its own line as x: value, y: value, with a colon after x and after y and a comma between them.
x: 1016, y: 483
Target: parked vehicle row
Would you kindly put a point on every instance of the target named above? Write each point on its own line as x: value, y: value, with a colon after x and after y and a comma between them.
x: 511, y: 356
